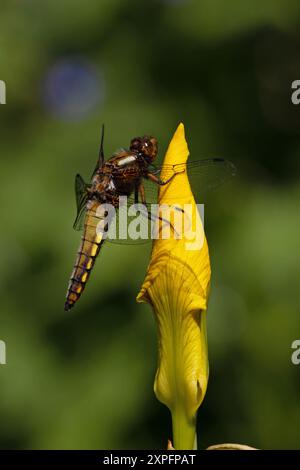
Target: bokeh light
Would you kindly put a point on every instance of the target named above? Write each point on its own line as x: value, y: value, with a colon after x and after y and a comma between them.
x: 73, y: 89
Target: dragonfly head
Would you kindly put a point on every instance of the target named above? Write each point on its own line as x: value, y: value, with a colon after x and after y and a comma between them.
x: 145, y: 146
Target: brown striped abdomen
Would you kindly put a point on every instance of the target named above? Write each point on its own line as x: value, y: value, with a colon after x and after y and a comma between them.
x: 89, y: 248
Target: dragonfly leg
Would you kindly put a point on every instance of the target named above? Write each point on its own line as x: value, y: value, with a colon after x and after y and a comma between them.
x: 136, y: 194
x: 141, y: 190
x: 157, y: 180
x: 159, y: 217
x: 151, y: 216
x: 161, y: 183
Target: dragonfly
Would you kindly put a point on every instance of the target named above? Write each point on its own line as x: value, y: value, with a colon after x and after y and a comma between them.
x: 131, y: 173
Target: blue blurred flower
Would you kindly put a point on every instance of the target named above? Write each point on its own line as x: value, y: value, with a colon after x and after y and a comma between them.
x: 73, y: 89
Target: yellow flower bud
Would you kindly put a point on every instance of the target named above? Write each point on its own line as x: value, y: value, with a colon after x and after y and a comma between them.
x: 176, y: 286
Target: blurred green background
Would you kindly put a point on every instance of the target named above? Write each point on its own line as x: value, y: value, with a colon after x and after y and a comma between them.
x: 84, y: 379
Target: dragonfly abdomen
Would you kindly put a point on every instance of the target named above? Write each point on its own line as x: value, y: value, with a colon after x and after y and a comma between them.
x: 91, y: 243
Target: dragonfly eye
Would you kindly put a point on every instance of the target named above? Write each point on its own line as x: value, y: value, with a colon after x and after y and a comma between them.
x: 136, y: 144
x: 151, y: 147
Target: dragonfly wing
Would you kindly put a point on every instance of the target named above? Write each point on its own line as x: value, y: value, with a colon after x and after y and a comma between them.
x: 80, y: 217
x: 204, y: 176
x: 81, y: 201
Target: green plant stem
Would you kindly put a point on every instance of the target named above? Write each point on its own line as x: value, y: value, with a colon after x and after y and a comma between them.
x: 184, y: 430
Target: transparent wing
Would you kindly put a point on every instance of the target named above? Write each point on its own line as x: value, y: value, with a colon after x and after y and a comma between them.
x: 204, y: 176
x: 81, y: 201
x: 209, y: 174
x: 79, y: 221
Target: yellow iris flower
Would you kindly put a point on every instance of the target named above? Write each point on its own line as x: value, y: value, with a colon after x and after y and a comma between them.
x: 177, y: 286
